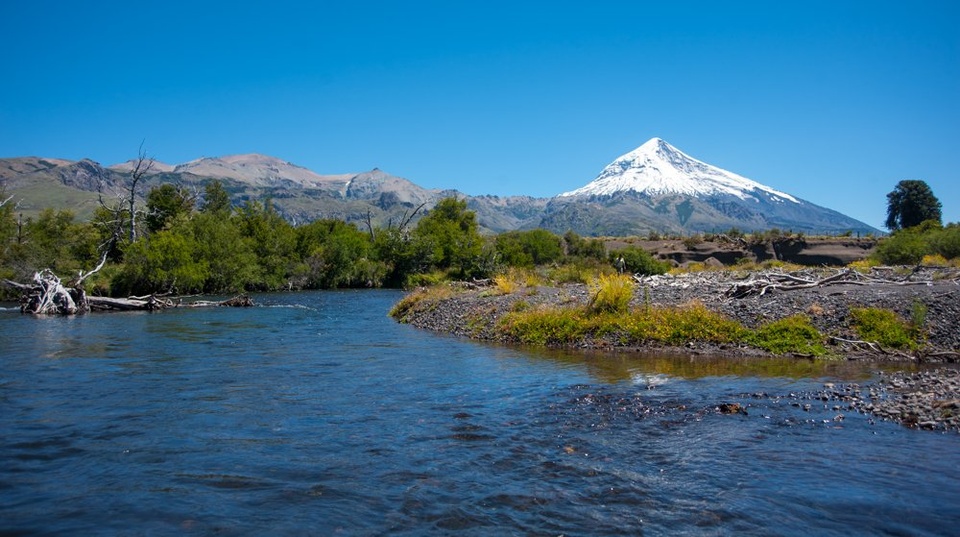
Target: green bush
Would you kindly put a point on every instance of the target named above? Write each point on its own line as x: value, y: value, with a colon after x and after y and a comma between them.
x: 691, y: 322
x: 791, y: 334
x: 529, y: 248
x: 579, y: 247
x: 946, y: 241
x: 166, y: 261
x: 884, y: 327
x: 639, y: 261
x: 905, y: 247
x: 450, y: 236
x: 551, y: 326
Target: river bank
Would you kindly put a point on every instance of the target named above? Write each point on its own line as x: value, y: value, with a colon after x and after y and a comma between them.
x: 926, y: 296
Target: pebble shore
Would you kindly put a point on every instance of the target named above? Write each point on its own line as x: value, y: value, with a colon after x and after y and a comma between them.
x: 925, y: 399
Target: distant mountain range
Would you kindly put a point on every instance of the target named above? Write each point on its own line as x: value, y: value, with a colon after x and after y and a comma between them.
x: 653, y: 188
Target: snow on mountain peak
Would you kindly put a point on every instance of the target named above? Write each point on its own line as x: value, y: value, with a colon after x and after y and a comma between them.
x: 657, y: 167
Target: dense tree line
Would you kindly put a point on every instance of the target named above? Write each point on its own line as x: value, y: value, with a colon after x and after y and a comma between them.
x: 198, y: 243
x: 186, y: 242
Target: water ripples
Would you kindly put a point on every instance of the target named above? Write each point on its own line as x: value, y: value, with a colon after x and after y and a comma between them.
x: 318, y: 415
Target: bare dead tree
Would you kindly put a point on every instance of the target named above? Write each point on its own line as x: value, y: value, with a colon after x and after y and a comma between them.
x: 142, y: 166
x: 368, y: 219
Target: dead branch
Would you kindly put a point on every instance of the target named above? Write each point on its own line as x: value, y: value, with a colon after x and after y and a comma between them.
x: 406, y: 219
x: 775, y: 281
x: 368, y: 219
x: 869, y: 345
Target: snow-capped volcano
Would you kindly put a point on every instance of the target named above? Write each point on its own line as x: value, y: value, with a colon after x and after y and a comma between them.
x: 657, y: 187
x: 657, y: 168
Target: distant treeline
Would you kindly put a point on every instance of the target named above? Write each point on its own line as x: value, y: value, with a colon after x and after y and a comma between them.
x: 183, y: 243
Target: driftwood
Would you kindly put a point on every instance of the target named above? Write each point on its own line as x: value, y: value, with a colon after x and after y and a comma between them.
x: 870, y: 346
x: 767, y: 281
x: 155, y: 302
x: 48, y: 296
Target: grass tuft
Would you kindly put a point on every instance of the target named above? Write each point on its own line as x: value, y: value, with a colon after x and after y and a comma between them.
x: 611, y: 293
x: 505, y: 284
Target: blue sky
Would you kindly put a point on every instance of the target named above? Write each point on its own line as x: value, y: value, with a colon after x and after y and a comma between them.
x: 834, y: 102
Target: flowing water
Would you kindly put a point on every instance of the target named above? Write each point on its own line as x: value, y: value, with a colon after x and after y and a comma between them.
x: 315, y: 414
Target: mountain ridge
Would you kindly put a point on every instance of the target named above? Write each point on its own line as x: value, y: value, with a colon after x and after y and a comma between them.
x: 657, y: 187
x: 611, y: 204
x: 658, y: 167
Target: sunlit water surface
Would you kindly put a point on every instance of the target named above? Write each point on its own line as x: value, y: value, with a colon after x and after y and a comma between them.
x: 314, y: 413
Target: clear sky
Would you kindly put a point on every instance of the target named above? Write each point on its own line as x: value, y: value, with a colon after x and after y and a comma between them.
x: 831, y: 101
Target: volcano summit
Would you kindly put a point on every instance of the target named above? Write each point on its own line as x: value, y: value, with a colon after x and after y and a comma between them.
x: 657, y: 187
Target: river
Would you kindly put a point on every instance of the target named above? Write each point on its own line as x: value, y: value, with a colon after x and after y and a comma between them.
x: 316, y: 414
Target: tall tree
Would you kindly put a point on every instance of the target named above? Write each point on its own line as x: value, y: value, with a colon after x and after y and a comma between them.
x: 215, y: 198
x: 451, y: 234
x: 911, y: 203
x: 166, y: 203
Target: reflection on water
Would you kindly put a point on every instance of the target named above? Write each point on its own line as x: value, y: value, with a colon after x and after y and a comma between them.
x: 316, y: 414
x: 619, y: 366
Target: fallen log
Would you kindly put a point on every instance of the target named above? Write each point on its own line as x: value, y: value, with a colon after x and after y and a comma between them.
x: 239, y: 301
x: 48, y: 296
x: 149, y: 303
x: 154, y: 302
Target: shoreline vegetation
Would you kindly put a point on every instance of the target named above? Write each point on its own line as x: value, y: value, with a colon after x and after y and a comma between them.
x: 901, y: 315
x: 883, y: 313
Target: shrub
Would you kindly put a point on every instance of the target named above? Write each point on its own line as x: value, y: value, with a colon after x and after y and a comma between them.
x: 514, y: 278
x: 551, y: 326
x: 611, y: 293
x: 426, y: 279
x: 579, y: 270
x: 529, y: 248
x: 692, y: 241
x: 918, y: 316
x: 864, y: 265
x: 577, y: 246
x: 505, y: 284
x: 884, y: 327
x: 790, y: 334
x: 639, y: 261
x: 691, y: 322
x: 934, y: 260
x: 906, y: 247
x: 946, y: 242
